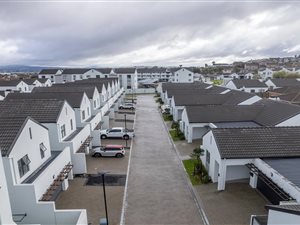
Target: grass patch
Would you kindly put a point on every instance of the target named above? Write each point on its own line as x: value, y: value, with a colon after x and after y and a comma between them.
x: 189, y: 167
x: 167, y: 117
x: 174, y: 136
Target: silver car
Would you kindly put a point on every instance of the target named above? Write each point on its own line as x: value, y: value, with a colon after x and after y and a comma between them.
x: 127, y: 106
x: 109, y: 150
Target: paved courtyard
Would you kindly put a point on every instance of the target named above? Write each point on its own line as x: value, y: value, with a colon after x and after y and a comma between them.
x: 235, y: 205
x: 157, y: 189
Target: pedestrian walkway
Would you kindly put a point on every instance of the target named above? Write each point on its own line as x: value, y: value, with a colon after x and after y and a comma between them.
x: 157, y: 190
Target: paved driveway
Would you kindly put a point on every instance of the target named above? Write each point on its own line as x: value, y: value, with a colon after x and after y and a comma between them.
x: 157, y: 191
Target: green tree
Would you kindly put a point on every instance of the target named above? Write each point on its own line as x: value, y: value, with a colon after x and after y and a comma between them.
x: 196, y: 154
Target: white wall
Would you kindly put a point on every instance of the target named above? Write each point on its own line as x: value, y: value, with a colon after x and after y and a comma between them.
x: 45, y: 179
x: 294, y: 121
x: 231, y: 85
x: 282, y: 218
x: 5, y: 207
x: 67, y: 113
x: 183, y: 76
x: 39, y: 135
x: 250, y: 101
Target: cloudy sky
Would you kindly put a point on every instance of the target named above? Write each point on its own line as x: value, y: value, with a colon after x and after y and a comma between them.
x: 129, y: 33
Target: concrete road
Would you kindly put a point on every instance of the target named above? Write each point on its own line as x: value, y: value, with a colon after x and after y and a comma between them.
x: 157, y: 191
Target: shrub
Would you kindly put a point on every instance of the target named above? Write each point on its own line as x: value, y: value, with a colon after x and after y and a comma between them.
x: 160, y: 101
x: 175, y: 125
x: 168, y: 117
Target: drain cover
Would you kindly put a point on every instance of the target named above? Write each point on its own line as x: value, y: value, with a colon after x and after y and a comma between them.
x: 110, y: 179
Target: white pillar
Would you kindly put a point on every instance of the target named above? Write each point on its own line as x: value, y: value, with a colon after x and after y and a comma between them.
x: 222, y: 175
x: 190, y: 134
x: 253, y: 180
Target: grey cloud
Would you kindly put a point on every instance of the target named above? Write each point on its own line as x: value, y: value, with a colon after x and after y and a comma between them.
x: 55, y: 33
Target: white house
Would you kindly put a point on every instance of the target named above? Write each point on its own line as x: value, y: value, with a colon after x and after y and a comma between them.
x: 182, y: 75
x: 32, y: 83
x: 265, y: 73
x: 247, y: 85
x: 78, y: 100
x: 105, y: 72
x: 55, y: 75
x: 128, y: 78
x: 74, y: 74
x: 35, y: 174
x: 158, y: 73
x: 14, y: 86
x: 281, y: 82
x: 59, y: 117
x: 256, y: 154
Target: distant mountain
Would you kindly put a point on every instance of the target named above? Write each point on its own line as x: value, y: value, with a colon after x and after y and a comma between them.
x: 20, y: 68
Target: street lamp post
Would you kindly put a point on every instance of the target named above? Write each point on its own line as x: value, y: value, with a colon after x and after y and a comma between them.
x: 125, y: 120
x: 104, y: 194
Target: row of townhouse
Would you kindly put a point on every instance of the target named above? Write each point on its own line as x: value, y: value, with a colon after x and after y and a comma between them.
x: 44, y: 138
x: 128, y: 76
x: 243, y: 137
x: 258, y: 86
x: 25, y: 85
x: 267, y: 73
x: 225, y: 78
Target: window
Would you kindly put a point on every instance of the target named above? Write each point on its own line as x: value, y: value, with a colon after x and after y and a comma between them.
x: 42, y: 150
x: 88, y: 111
x: 207, y: 162
x: 210, y: 140
x: 83, y: 115
x: 95, y: 103
x: 71, y: 123
x: 190, y: 75
x: 63, y: 131
x: 23, y: 165
x: 252, y: 91
x: 52, y: 77
x: 74, y: 77
x: 66, y: 111
x: 30, y: 133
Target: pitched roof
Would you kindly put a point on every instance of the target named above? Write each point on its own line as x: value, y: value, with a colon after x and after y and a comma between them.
x: 129, y: 70
x: 249, y: 83
x: 169, y: 86
x: 73, y: 98
x: 194, y: 91
x: 30, y: 81
x: 210, y: 98
x: 104, y: 70
x: 88, y: 89
x: 75, y: 71
x: 10, y: 129
x: 42, y: 80
x: 152, y: 70
x: 222, y: 113
x: 10, y: 82
x: 289, y: 168
x: 40, y: 110
x: 280, y: 82
x: 49, y: 71
x: 258, y: 142
x: 275, y: 112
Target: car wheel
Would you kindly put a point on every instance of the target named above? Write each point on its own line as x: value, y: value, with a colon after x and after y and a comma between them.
x: 126, y: 137
x: 120, y: 107
x: 119, y: 155
x: 97, y: 154
x: 103, y: 136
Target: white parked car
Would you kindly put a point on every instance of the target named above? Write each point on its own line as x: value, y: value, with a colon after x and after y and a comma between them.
x: 116, y: 132
x: 127, y: 106
x: 109, y: 150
